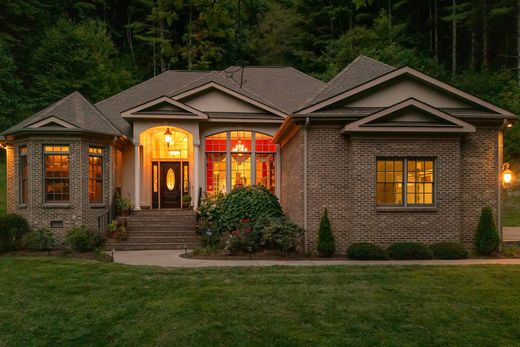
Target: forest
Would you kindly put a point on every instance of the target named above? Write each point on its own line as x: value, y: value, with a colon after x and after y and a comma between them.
x: 49, y: 48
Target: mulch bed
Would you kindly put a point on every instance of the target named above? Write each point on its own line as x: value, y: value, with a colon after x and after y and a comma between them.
x: 59, y: 253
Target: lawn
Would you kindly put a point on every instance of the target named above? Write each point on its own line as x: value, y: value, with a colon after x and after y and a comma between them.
x: 3, y: 184
x: 58, y: 301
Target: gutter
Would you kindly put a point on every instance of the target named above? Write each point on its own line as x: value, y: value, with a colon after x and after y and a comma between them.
x: 305, y: 214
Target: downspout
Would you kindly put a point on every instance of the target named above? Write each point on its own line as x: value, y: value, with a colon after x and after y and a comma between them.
x: 305, y: 214
x: 500, y: 155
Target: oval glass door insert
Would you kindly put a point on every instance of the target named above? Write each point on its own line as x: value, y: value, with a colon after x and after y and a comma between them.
x: 170, y: 179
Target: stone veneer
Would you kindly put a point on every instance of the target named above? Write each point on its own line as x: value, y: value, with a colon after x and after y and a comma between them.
x: 78, y: 211
x: 341, y: 177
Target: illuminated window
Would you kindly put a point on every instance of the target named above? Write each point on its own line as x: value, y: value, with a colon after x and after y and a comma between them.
x: 404, y: 182
x: 176, y: 149
x: 95, y: 175
x: 265, y: 170
x: 56, y: 158
x: 240, y: 146
x: 24, y: 175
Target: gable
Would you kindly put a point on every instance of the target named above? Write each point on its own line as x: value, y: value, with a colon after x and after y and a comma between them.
x: 51, y: 121
x: 214, y: 100
x: 396, y: 91
x: 164, y: 107
x: 410, y: 115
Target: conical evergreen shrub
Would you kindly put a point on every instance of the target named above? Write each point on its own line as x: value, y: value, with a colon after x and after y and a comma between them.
x: 487, y: 238
x: 326, y: 245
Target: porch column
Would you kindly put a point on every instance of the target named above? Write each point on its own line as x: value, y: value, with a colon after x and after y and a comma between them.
x: 196, y: 173
x: 137, y: 176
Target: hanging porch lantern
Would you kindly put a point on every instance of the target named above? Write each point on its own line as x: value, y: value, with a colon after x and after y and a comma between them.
x: 168, y: 136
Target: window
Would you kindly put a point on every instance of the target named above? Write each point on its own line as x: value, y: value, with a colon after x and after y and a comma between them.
x: 24, y: 175
x: 405, y: 182
x: 95, y: 175
x: 250, y: 156
x: 56, y: 158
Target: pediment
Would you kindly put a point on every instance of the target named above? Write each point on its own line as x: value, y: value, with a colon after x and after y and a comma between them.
x: 164, y: 107
x: 213, y: 97
x: 410, y: 115
x: 400, y: 85
x: 51, y: 122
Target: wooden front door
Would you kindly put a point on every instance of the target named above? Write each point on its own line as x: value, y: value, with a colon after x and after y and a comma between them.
x: 171, y: 185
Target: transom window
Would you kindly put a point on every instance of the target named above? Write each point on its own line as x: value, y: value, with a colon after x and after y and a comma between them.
x: 56, y: 158
x: 238, y: 159
x: 405, y: 182
x: 95, y: 175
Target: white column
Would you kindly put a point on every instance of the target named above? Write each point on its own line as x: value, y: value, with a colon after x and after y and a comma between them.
x: 196, y: 173
x: 137, y: 177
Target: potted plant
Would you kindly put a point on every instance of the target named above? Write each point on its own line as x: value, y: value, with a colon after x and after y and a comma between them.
x: 124, y: 206
x: 112, y: 229
x: 186, y: 201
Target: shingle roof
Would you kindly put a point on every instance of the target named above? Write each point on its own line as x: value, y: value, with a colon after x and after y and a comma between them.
x: 285, y: 87
x: 153, y: 88
x: 361, y: 70
x: 73, y: 109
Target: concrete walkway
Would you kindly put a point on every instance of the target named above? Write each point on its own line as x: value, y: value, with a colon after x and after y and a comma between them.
x: 173, y: 259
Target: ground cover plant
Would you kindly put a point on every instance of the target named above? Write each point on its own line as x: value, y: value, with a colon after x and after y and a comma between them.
x: 56, y: 301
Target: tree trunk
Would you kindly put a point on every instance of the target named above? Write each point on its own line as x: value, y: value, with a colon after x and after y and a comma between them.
x: 453, y: 40
x: 436, y: 32
x: 190, y: 49
x: 485, y: 35
x: 472, y: 52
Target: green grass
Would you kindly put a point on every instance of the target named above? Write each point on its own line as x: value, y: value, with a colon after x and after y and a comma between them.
x: 3, y: 184
x: 57, y: 301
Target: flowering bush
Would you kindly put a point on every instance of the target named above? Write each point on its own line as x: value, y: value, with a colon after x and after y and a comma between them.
x: 242, y: 238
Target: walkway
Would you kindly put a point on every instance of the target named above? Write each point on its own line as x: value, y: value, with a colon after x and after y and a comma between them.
x: 171, y: 258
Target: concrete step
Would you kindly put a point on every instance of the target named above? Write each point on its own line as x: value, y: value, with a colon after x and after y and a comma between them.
x: 162, y: 239
x: 159, y: 233
x: 127, y: 246
x: 161, y: 227
x: 177, y: 212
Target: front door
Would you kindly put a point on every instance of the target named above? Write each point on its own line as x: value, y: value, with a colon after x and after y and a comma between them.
x: 171, y: 185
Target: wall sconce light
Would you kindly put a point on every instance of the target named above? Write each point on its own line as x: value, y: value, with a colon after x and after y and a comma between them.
x: 168, y: 136
x: 507, y: 175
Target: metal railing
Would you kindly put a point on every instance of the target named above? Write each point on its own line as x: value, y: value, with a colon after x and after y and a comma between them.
x: 108, y: 216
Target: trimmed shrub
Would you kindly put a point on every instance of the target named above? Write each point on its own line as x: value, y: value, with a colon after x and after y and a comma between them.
x: 409, y: 250
x: 487, y: 238
x: 449, y: 250
x: 326, y: 245
x: 251, y: 203
x: 83, y: 239
x: 40, y: 240
x: 366, y: 251
x: 277, y: 233
x: 13, y: 227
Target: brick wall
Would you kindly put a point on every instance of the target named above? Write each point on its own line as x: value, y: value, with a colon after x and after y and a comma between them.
x: 292, y: 178
x: 77, y: 211
x: 342, y: 174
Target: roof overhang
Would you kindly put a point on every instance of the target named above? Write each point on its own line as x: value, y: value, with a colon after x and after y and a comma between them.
x: 407, y: 71
x: 446, y: 123
x: 187, y: 112
x: 230, y: 92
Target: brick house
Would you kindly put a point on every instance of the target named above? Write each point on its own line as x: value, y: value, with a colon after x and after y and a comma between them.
x: 392, y: 153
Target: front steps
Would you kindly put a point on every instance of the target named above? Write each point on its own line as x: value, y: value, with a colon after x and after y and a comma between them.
x: 158, y: 229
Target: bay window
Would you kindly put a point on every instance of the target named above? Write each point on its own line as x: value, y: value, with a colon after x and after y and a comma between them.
x: 56, y: 159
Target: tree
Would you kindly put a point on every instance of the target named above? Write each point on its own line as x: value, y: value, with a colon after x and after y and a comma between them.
x: 326, y: 245
x: 11, y: 90
x: 487, y: 238
x: 76, y: 57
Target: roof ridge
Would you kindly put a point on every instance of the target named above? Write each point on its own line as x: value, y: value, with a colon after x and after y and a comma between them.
x: 305, y: 74
x: 376, y: 61
x: 98, y: 111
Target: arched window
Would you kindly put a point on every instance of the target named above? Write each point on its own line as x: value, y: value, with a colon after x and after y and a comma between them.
x: 238, y: 159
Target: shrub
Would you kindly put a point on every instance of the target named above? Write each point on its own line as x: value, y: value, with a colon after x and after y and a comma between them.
x: 409, y: 250
x: 511, y: 252
x: 277, y: 233
x: 366, y: 251
x: 83, y: 239
x: 250, y: 203
x: 13, y: 227
x: 487, y: 238
x: 40, y: 240
x: 449, y: 250
x: 243, y: 238
x: 326, y: 246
